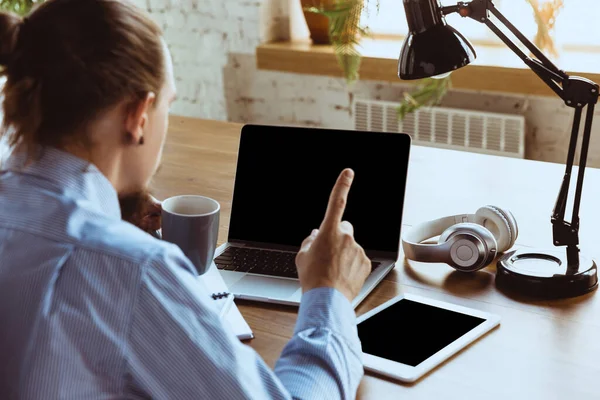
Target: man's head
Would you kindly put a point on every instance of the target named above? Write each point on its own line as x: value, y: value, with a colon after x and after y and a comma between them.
x: 92, y: 77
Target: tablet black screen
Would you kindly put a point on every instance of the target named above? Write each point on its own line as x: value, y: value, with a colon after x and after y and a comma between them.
x: 409, y: 332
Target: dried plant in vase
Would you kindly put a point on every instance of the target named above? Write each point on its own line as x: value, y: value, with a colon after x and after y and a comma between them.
x: 545, y: 14
x: 429, y: 92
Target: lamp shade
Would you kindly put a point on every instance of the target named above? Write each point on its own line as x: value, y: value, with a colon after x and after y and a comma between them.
x: 432, y: 47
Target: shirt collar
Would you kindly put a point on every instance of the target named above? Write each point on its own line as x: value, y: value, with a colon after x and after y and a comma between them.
x: 77, y: 177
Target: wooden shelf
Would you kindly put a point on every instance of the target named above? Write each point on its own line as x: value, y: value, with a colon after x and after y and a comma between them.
x: 496, y: 69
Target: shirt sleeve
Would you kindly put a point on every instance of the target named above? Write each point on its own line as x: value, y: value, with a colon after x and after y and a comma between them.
x: 324, y: 358
x: 178, y: 347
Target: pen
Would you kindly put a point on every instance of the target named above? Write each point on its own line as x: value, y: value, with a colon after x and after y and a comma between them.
x: 226, y: 306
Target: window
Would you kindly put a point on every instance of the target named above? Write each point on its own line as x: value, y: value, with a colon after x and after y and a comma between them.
x: 577, y: 26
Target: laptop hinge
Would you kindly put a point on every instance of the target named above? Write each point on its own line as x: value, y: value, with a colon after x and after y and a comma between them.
x: 260, y: 245
x: 386, y: 255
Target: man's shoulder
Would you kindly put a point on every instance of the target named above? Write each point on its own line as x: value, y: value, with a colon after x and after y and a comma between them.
x: 125, y: 241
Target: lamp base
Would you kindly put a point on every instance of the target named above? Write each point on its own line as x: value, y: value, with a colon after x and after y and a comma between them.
x: 546, y: 273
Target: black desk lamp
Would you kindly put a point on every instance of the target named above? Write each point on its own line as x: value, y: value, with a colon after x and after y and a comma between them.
x: 433, y: 48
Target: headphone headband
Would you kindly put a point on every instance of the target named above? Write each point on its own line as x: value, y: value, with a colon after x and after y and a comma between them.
x: 429, y: 229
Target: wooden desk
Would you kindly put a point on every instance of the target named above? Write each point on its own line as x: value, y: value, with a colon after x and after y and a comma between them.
x: 542, y: 350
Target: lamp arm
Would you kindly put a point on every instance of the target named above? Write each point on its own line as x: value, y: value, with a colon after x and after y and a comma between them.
x: 545, y: 72
x: 543, y: 67
x: 530, y: 46
x: 576, y: 92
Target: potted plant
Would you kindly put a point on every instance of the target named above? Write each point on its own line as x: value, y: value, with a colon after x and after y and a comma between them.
x: 318, y: 24
x: 343, y: 27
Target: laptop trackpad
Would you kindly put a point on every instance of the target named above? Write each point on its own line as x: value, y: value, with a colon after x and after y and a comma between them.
x: 262, y: 286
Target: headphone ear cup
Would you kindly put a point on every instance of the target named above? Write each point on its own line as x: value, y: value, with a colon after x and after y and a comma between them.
x: 473, y: 246
x: 501, y: 224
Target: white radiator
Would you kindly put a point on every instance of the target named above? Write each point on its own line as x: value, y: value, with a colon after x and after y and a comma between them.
x: 474, y: 131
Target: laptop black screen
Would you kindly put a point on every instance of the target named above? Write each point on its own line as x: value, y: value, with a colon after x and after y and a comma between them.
x: 285, y: 175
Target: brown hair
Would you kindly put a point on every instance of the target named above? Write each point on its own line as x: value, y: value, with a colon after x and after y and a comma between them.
x: 69, y: 61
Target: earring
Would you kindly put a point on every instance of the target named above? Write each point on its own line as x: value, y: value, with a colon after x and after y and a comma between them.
x: 141, y: 142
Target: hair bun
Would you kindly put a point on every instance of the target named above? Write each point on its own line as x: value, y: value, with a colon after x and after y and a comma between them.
x: 10, y: 24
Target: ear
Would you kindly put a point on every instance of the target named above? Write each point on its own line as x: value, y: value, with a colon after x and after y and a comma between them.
x: 137, y: 117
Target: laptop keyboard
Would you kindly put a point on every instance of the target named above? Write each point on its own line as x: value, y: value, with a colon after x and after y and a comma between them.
x: 262, y: 262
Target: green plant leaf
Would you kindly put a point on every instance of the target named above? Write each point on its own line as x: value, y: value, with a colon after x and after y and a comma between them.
x: 429, y: 92
x: 349, y: 60
x: 20, y: 7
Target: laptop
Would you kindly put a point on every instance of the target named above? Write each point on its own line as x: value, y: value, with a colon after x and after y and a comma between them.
x: 282, y: 185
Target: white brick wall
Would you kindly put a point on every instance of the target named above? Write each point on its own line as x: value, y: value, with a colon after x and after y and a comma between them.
x: 201, y: 34
x: 213, y: 45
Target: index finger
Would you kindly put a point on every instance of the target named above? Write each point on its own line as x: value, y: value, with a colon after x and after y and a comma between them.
x: 338, y: 200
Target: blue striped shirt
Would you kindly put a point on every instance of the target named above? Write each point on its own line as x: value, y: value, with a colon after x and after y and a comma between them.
x: 91, y: 307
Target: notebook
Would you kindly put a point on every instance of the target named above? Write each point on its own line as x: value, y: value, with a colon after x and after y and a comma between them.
x: 223, y: 298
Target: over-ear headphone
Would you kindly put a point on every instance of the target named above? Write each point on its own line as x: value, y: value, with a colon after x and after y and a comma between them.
x: 468, y: 242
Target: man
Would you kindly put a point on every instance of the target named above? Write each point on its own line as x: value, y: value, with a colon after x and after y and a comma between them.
x: 92, y: 307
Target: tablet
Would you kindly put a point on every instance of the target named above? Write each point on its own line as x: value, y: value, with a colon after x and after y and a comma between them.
x: 410, y: 335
